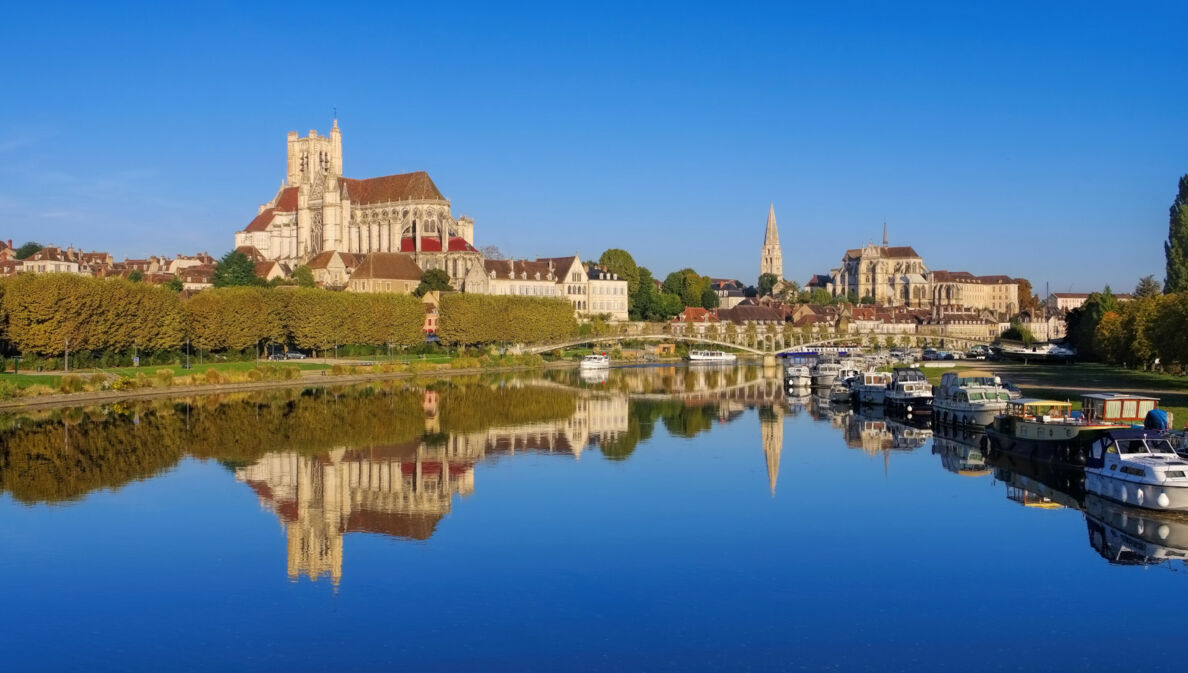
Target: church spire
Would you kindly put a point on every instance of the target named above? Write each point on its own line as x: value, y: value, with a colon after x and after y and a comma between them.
x: 771, y: 259
x: 884, y: 233
x: 772, y: 237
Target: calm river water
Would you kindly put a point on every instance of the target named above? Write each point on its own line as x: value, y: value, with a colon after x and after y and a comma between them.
x: 660, y: 519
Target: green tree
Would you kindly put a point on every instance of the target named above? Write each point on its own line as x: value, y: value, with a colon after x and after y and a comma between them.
x: 767, y: 283
x: 433, y: 280
x: 136, y: 276
x: 1176, y: 247
x: 820, y: 296
x: 1018, y: 332
x: 28, y: 250
x: 622, y: 263
x: 1147, y: 287
x: 709, y: 298
x: 303, y: 276
x: 175, y: 284
x: 1082, y: 322
x: 235, y: 270
x: 688, y: 285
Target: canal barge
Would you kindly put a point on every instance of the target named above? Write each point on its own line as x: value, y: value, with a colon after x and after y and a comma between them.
x: 872, y: 388
x: 908, y: 392
x: 1045, y: 431
x: 969, y: 397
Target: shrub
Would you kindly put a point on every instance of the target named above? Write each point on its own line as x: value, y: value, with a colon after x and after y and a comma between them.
x: 71, y: 383
x: 337, y: 370
x: 143, y: 381
x: 38, y: 389
x: 8, y: 390
x: 465, y: 363
x: 165, y: 377
x: 123, y: 383
x: 212, y: 376
x: 255, y: 374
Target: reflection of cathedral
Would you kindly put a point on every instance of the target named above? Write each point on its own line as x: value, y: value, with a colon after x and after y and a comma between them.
x: 403, y: 490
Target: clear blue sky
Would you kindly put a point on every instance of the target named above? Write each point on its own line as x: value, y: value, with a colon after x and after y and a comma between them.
x: 1040, y: 139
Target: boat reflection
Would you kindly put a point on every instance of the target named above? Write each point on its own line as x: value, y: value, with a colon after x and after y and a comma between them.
x: 1126, y: 536
x: 959, y: 450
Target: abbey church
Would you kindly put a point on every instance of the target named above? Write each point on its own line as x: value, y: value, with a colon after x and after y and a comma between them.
x: 317, y: 209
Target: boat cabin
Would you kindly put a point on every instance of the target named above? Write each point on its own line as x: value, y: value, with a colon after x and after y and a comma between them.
x: 1117, y: 407
x: 876, y: 379
x: 1046, y: 411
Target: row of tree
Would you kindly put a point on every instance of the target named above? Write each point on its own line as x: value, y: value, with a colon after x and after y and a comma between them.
x: 45, y: 314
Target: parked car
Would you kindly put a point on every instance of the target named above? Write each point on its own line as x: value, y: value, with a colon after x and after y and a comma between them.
x: 294, y: 355
x: 277, y: 356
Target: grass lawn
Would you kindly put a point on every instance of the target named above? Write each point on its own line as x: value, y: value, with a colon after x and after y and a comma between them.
x: 53, y: 378
x: 401, y: 358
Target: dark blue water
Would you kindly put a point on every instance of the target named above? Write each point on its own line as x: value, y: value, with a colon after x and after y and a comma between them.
x: 723, y: 530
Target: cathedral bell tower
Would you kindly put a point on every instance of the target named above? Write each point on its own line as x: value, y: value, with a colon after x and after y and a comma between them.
x: 312, y: 157
x: 771, y: 259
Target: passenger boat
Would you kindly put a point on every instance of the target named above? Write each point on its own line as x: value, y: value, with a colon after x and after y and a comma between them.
x: 1138, y: 468
x: 908, y: 392
x: 969, y: 397
x: 1117, y: 407
x: 825, y: 374
x: 797, y: 376
x: 872, y: 387
x: 840, y: 393
x: 1044, y: 431
x: 711, y: 356
x: 595, y: 361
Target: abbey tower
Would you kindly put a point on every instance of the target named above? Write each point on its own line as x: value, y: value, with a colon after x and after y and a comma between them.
x: 771, y: 260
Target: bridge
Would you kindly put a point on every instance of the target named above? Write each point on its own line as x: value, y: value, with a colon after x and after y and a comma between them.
x: 762, y: 339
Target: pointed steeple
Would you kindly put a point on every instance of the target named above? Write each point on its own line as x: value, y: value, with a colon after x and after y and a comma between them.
x: 772, y: 237
x: 771, y: 259
x: 884, y: 233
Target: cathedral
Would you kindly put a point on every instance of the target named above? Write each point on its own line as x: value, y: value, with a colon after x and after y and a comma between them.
x: 317, y: 209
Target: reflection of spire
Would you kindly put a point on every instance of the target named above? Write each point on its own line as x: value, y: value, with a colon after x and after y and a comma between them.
x: 772, y: 430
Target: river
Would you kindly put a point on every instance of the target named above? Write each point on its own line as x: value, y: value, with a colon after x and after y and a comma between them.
x: 652, y: 518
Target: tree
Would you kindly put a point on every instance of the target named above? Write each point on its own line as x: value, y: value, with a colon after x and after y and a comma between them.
x: 1027, y: 300
x: 820, y: 296
x: 709, y: 298
x: 1147, y: 287
x: 303, y: 276
x: 622, y: 263
x: 492, y: 252
x: 28, y: 250
x: 1176, y: 247
x: 235, y: 270
x: 433, y: 280
x: 175, y: 284
x: 686, y: 284
x: 868, y: 300
x: 136, y: 275
x: 1082, y: 322
x: 767, y: 283
x: 1018, y: 332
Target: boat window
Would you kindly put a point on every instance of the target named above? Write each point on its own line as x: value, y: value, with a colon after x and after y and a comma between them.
x: 1145, y: 406
x: 1159, y: 446
x: 976, y: 397
x: 1131, y: 446
x: 1136, y: 471
x: 1113, y: 409
x: 1175, y: 474
x: 1113, y: 467
x: 1130, y: 409
x: 1004, y: 396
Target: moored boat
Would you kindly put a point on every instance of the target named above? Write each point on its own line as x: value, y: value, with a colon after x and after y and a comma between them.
x: 1138, y: 468
x: 825, y: 374
x: 969, y: 397
x: 909, y: 392
x: 797, y: 377
x: 872, y: 387
x: 1044, y: 431
x: 595, y: 361
x: 711, y: 356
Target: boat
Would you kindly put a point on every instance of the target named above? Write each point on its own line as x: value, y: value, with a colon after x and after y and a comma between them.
x: 909, y: 392
x: 797, y: 376
x: 711, y: 356
x: 1040, y: 352
x: 1045, y: 431
x: 825, y: 374
x: 969, y: 397
x: 1118, y: 407
x: 595, y: 361
x: 1138, y: 468
x: 840, y: 393
x: 1125, y: 536
x: 872, y: 387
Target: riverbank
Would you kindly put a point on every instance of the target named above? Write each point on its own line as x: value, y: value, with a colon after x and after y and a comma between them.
x: 308, y: 378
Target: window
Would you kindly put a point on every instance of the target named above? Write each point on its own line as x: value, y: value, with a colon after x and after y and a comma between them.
x: 1175, y: 474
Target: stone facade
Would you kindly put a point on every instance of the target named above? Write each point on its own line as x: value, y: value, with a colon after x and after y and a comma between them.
x: 317, y: 209
x: 591, y: 289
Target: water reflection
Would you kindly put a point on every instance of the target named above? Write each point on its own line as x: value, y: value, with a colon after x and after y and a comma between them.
x: 389, y: 459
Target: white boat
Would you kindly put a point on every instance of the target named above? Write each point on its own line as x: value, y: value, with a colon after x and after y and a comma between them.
x: 840, y: 393
x: 825, y: 374
x: 595, y: 361
x: 969, y: 397
x: 909, y: 392
x: 797, y: 376
x: 872, y: 387
x: 1138, y: 468
x: 711, y: 356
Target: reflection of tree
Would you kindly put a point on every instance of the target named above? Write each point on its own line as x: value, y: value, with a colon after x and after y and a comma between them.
x: 621, y: 446
x: 65, y: 456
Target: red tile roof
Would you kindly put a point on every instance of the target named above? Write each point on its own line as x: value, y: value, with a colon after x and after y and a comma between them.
x: 287, y: 203
x: 403, y: 187
x: 388, y: 266
x: 261, y: 222
x: 456, y: 244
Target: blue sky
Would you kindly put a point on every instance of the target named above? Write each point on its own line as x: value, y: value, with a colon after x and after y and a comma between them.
x: 1041, y: 140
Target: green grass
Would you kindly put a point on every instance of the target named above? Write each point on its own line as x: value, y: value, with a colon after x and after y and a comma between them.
x: 26, y: 380
x: 403, y: 358
x: 52, y: 378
